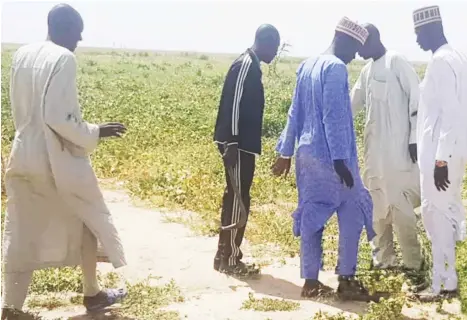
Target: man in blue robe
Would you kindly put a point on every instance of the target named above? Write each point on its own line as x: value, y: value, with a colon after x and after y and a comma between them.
x: 327, y: 172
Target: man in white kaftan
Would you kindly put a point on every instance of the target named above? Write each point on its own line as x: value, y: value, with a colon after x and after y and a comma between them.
x: 55, y: 211
x: 442, y: 149
x: 388, y: 89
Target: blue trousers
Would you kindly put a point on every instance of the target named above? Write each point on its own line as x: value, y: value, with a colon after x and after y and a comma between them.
x: 350, y: 229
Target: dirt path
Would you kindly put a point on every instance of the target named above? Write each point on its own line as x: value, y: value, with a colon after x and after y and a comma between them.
x: 169, y: 250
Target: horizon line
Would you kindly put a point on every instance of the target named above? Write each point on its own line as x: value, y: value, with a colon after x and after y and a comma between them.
x: 87, y: 48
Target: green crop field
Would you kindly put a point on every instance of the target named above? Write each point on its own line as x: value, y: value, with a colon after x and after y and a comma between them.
x: 168, y: 101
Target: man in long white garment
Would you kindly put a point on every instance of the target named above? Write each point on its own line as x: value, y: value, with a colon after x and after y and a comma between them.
x: 442, y: 149
x: 388, y: 88
x: 55, y: 211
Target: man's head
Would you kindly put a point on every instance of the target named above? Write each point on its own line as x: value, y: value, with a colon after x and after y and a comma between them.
x: 428, y: 27
x: 373, y: 46
x: 267, y: 41
x: 65, y: 26
x: 348, y: 39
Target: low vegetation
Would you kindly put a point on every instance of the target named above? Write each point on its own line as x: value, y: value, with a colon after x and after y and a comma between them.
x: 169, y: 105
x: 268, y: 304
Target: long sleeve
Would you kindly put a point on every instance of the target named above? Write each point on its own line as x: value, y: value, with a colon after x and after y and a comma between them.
x: 286, y: 144
x: 61, y: 108
x: 233, y: 95
x: 358, y: 94
x: 336, y: 108
x: 440, y: 99
x: 409, y: 82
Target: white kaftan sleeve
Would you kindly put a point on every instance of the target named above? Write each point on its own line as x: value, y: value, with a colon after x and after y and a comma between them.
x: 61, y: 108
x: 440, y: 88
x: 358, y: 94
x: 409, y: 82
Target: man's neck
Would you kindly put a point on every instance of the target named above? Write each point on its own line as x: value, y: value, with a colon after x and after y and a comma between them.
x: 255, y: 51
x: 439, y: 44
x: 331, y: 50
x: 380, y: 53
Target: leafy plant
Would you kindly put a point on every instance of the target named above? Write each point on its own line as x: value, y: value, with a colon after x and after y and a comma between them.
x: 167, y: 156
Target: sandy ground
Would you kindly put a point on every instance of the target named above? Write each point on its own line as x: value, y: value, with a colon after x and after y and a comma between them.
x: 169, y: 250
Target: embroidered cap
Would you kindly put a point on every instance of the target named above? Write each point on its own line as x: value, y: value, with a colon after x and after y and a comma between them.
x: 426, y: 15
x: 352, y: 29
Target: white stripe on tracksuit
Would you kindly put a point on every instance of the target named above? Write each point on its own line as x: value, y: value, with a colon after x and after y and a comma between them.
x: 235, y: 213
x: 246, y: 63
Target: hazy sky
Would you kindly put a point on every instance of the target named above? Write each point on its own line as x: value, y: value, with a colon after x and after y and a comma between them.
x: 229, y: 25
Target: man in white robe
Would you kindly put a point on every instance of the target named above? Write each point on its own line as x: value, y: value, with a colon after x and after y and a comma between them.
x: 55, y: 211
x: 442, y: 149
x: 388, y: 88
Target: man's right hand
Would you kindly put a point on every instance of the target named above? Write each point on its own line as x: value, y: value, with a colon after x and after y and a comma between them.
x: 344, y: 173
x: 111, y: 129
x: 281, y: 167
x: 230, y: 155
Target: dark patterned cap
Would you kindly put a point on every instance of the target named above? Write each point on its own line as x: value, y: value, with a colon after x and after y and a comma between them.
x: 426, y: 15
x: 352, y: 29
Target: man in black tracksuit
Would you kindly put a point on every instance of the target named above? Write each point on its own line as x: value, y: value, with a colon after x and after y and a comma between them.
x: 238, y: 136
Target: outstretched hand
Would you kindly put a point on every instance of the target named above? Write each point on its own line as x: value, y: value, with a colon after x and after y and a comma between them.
x: 344, y: 173
x: 281, y: 167
x: 413, y: 152
x: 111, y: 129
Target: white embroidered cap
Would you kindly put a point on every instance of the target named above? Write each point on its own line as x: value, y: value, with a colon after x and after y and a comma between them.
x: 426, y: 15
x: 352, y: 29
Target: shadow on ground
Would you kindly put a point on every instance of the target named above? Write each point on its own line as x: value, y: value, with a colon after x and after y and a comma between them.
x: 102, y: 315
x: 105, y: 314
x: 269, y: 285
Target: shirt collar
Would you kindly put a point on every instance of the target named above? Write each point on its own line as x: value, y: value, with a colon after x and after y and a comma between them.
x: 382, y: 57
x: 444, y: 46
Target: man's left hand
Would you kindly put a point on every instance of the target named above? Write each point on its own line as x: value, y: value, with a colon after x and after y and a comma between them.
x: 413, y: 152
x: 441, y: 177
x: 111, y: 129
x: 281, y: 167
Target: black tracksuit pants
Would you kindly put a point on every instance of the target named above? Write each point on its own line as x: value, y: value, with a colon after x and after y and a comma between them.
x: 229, y: 241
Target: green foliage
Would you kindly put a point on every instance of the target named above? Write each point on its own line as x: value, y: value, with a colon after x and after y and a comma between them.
x: 66, y: 279
x: 268, y: 304
x: 144, y: 302
x: 169, y: 105
x: 47, y: 302
x: 327, y: 316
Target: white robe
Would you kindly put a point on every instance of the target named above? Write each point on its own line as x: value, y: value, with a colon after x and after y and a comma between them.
x: 51, y: 186
x: 388, y: 88
x: 442, y: 135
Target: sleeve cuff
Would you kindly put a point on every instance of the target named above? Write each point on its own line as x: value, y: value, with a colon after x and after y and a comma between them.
x: 413, y: 137
x: 443, y: 155
x: 340, y: 157
x: 95, y: 132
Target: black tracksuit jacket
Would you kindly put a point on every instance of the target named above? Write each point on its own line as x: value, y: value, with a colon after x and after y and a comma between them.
x: 240, y: 115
